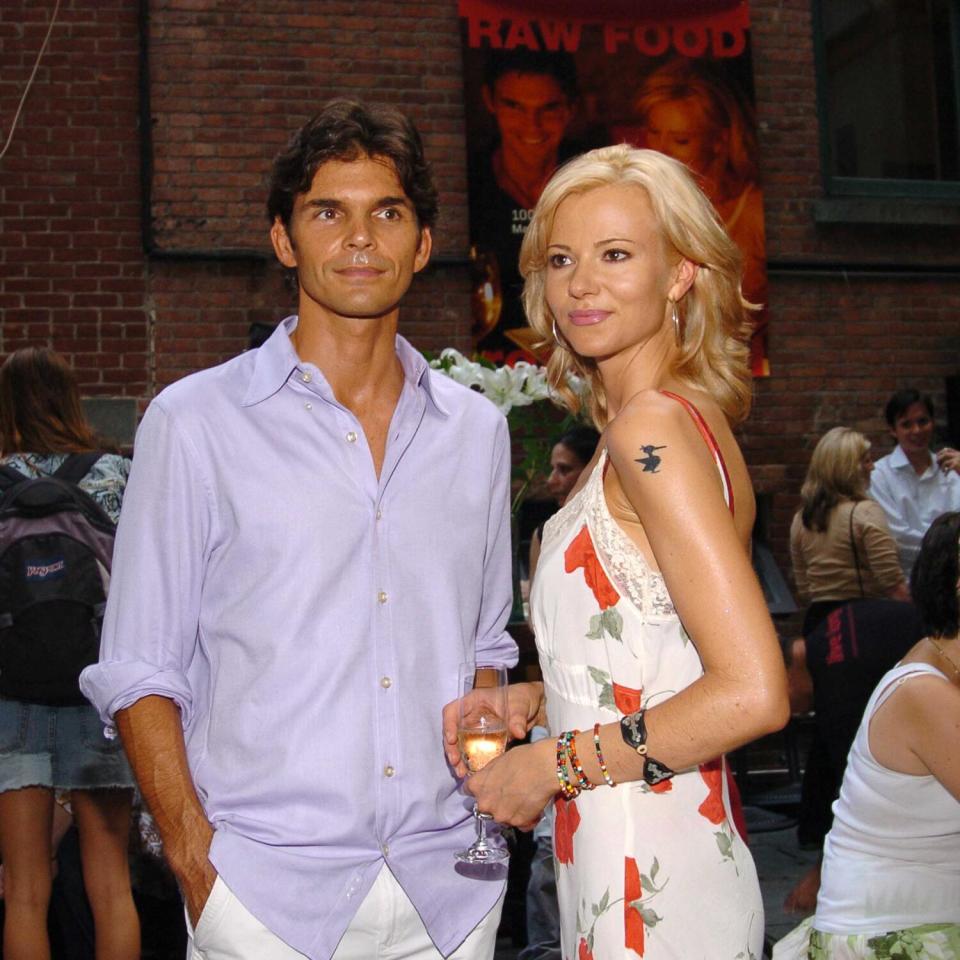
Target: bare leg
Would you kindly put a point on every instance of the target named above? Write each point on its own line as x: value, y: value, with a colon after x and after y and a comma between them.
x: 803, y: 897
x: 26, y: 818
x: 103, y: 823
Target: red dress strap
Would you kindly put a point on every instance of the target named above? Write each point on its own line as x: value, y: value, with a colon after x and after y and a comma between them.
x: 711, y: 442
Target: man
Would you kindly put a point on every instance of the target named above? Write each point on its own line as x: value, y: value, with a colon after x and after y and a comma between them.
x: 531, y: 97
x: 314, y: 535
x: 913, y: 485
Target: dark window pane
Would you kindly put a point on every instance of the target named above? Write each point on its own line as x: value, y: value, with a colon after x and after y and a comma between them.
x: 891, y: 88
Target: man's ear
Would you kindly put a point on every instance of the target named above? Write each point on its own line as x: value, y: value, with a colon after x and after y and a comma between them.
x: 684, y: 273
x: 282, y: 244
x: 423, y: 249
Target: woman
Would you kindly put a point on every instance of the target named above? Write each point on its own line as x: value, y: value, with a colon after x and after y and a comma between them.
x: 570, y: 454
x: 840, y: 543
x: 693, y: 116
x: 841, y: 550
x: 628, y: 267
x: 50, y: 752
x: 891, y: 869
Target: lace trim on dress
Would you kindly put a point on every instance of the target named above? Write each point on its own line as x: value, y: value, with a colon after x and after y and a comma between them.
x: 625, y: 564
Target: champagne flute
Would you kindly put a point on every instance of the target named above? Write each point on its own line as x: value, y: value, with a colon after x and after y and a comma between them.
x: 482, y: 737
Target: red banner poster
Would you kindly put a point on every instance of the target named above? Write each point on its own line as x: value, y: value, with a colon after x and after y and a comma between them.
x: 544, y: 82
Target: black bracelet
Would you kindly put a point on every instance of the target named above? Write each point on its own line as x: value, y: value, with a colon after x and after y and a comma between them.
x: 633, y: 729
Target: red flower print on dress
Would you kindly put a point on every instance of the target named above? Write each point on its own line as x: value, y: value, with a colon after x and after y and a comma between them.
x: 632, y: 918
x: 664, y: 786
x: 582, y: 553
x: 626, y: 699
x: 583, y: 951
x: 566, y: 819
x: 712, y: 807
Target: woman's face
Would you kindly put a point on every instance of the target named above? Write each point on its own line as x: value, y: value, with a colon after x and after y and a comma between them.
x: 565, y: 469
x: 607, y: 275
x: 679, y: 129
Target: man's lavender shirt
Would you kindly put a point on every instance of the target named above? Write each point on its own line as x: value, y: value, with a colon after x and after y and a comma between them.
x: 308, y: 619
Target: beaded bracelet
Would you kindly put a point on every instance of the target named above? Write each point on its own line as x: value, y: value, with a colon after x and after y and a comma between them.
x: 583, y: 780
x: 603, y: 767
x: 567, y: 789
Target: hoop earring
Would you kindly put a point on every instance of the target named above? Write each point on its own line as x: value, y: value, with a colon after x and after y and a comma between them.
x: 676, y: 323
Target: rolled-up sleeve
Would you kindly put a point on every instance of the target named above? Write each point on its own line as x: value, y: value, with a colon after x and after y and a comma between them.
x: 494, y: 644
x: 153, y: 605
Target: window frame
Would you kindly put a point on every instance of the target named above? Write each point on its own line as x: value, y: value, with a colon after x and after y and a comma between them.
x: 837, y: 186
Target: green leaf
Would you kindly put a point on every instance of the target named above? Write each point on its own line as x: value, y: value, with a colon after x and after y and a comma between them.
x: 596, y: 627
x: 598, y: 676
x: 613, y: 623
x: 650, y: 918
x: 605, y: 900
x: 724, y: 844
x: 654, y: 869
x: 606, y: 698
x: 647, y: 884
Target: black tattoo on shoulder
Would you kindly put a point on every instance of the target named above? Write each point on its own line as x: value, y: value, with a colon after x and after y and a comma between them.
x: 651, y: 461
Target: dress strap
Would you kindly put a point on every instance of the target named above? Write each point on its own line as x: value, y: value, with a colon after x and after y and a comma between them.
x: 710, y: 440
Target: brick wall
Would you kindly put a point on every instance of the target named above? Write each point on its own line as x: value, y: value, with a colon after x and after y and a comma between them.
x: 73, y: 272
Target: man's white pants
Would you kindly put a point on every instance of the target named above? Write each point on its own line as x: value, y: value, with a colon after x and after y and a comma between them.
x: 386, y: 926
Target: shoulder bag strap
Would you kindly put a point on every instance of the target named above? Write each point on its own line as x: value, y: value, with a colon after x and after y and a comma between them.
x: 77, y: 466
x: 853, y: 546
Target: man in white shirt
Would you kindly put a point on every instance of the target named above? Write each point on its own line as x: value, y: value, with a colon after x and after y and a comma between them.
x: 912, y: 484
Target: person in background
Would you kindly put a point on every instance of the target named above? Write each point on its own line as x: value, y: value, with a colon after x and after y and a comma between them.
x: 656, y: 646
x: 912, y: 484
x: 841, y: 551
x: 322, y: 552
x: 60, y: 750
x: 891, y: 867
x: 571, y: 452
x: 840, y: 543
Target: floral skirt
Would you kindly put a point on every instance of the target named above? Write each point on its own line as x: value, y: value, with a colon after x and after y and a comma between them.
x: 936, y: 941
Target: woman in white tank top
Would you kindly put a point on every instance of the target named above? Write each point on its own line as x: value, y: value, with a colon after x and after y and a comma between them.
x: 891, y: 868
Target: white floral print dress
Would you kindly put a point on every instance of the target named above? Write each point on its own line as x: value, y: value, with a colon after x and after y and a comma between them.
x: 657, y: 872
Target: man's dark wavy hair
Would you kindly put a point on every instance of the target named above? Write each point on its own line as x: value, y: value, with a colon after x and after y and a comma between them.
x: 933, y: 584
x: 348, y: 130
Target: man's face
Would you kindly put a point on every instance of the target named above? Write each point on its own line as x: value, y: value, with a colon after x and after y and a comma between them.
x: 532, y: 112
x: 353, y: 240
x: 913, y: 429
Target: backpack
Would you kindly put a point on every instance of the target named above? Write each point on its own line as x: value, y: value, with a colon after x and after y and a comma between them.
x: 56, y: 545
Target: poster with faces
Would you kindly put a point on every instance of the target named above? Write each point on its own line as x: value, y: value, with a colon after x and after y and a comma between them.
x: 544, y: 81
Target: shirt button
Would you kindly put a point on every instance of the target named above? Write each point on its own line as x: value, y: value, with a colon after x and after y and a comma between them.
x: 386, y: 683
x: 308, y: 406
x: 379, y: 514
x: 307, y: 378
x: 382, y: 597
x: 385, y: 849
x: 351, y: 437
x: 388, y: 771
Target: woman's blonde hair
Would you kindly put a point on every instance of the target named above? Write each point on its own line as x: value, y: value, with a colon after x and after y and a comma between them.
x: 835, y: 473
x: 714, y: 321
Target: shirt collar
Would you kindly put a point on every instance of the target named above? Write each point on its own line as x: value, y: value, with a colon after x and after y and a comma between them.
x: 898, y: 458
x: 276, y: 360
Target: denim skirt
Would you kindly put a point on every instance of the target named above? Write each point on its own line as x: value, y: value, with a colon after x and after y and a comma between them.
x: 60, y: 747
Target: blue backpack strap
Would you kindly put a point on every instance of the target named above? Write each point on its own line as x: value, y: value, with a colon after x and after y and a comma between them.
x: 76, y: 466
